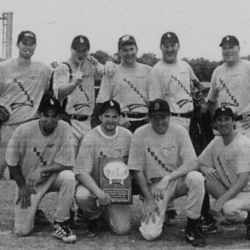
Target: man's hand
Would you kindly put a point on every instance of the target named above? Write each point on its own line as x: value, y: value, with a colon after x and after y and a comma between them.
x: 104, y: 199
x: 209, y: 173
x: 92, y: 60
x: 216, y: 208
x: 149, y: 210
x: 124, y: 122
x: 78, y: 75
x: 161, y: 187
x: 4, y: 114
x: 23, y: 196
x: 109, y: 68
x: 33, y: 179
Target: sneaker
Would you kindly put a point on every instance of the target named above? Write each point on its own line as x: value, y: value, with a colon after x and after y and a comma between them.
x: 40, y: 218
x: 93, y: 227
x: 195, y: 237
x: 208, y: 225
x: 62, y: 231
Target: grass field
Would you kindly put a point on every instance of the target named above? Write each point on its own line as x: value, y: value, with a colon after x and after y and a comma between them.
x: 232, y: 237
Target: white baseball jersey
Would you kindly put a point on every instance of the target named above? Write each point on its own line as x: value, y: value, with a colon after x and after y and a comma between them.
x: 231, y: 86
x: 128, y: 86
x: 96, y: 144
x: 172, y: 82
x: 29, y: 149
x: 22, y: 88
x: 82, y: 100
x: 157, y: 155
x: 228, y: 160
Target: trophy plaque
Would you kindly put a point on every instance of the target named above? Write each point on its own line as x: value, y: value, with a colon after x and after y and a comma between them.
x: 115, y: 180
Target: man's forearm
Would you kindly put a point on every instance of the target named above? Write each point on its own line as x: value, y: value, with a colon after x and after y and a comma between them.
x: 55, y: 167
x: 17, y: 175
x: 66, y: 89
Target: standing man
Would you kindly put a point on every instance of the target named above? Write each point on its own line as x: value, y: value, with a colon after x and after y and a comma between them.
x: 172, y: 79
x: 74, y: 80
x: 40, y: 158
x: 105, y: 140
x: 22, y: 84
x: 230, y: 84
x: 128, y: 86
x: 225, y: 165
x: 165, y: 164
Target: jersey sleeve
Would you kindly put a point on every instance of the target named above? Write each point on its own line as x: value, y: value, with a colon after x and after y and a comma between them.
x: 85, y: 159
x: 105, y: 92
x: 155, y: 89
x: 66, y: 155
x: 61, y: 76
x: 213, y: 92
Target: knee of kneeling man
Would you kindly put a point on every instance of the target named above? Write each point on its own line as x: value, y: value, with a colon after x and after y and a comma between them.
x: 149, y: 235
x: 228, y: 208
x: 196, y: 177
x: 122, y: 230
x: 22, y: 232
x: 67, y: 175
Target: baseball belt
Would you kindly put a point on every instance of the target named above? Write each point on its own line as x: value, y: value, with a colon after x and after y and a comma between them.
x: 183, y: 115
x: 134, y: 115
x: 80, y: 118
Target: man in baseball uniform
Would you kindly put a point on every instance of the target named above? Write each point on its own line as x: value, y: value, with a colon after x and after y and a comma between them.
x: 225, y: 165
x: 105, y: 140
x: 230, y: 84
x: 78, y: 88
x: 22, y: 83
x: 40, y: 157
x: 164, y: 163
x: 128, y: 86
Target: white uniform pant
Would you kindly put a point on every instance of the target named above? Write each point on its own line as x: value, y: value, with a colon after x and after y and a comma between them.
x: 191, y: 185
x: 64, y: 184
x: 235, y: 209
x: 6, y: 132
x: 118, y: 216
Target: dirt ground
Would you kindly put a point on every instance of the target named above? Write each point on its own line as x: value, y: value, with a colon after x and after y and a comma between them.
x: 172, y: 237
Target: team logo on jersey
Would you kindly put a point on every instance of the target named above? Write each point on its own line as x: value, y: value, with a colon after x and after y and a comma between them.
x: 29, y: 102
x: 230, y: 95
x: 38, y: 154
x: 79, y: 106
x: 131, y: 107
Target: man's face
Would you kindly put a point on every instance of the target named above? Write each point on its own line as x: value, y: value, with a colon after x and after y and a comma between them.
x: 109, y: 120
x: 80, y: 55
x: 169, y: 52
x: 26, y: 49
x: 128, y: 53
x: 48, y: 121
x: 160, y: 123
x: 224, y: 125
x: 230, y: 53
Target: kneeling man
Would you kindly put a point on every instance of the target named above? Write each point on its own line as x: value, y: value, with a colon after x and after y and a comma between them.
x: 105, y: 140
x: 225, y: 165
x: 40, y: 158
x: 166, y: 162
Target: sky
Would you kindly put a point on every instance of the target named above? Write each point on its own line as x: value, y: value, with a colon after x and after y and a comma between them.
x: 199, y: 24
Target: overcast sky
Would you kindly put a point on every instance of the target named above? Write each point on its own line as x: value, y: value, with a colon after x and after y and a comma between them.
x: 199, y: 24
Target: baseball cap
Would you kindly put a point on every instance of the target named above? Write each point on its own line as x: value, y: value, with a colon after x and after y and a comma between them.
x: 232, y: 40
x: 110, y: 104
x: 127, y: 39
x: 49, y: 103
x: 80, y: 41
x: 158, y: 107
x: 26, y: 36
x: 223, y: 111
x: 169, y: 37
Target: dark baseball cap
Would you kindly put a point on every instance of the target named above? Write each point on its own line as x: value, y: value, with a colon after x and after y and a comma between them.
x: 223, y: 111
x: 158, y: 107
x: 27, y: 36
x: 232, y: 40
x: 80, y: 42
x: 169, y: 37
x: 111, y: 104
x: 127, y: 39
x: 49, y: 103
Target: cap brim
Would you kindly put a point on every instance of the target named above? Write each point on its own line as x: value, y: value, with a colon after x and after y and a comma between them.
x: 163, y: 114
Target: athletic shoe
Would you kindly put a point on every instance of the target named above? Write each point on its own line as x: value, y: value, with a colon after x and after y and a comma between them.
x: 208, y: 225
x: 93, y: 227
x: 62, y: 231
x: 195, y: 237
x: 40, y: 218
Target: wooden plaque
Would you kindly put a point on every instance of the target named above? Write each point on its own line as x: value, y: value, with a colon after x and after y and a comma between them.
x: 115, y: 179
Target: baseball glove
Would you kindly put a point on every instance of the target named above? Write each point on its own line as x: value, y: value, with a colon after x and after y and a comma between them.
x: 4, y: 114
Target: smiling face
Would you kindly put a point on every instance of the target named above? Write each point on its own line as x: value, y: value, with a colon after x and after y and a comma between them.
x: 128, y: 53
x: 225, y: 125
x: 230, y: 53
x: 160, y: 123
x: 169, y: 52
